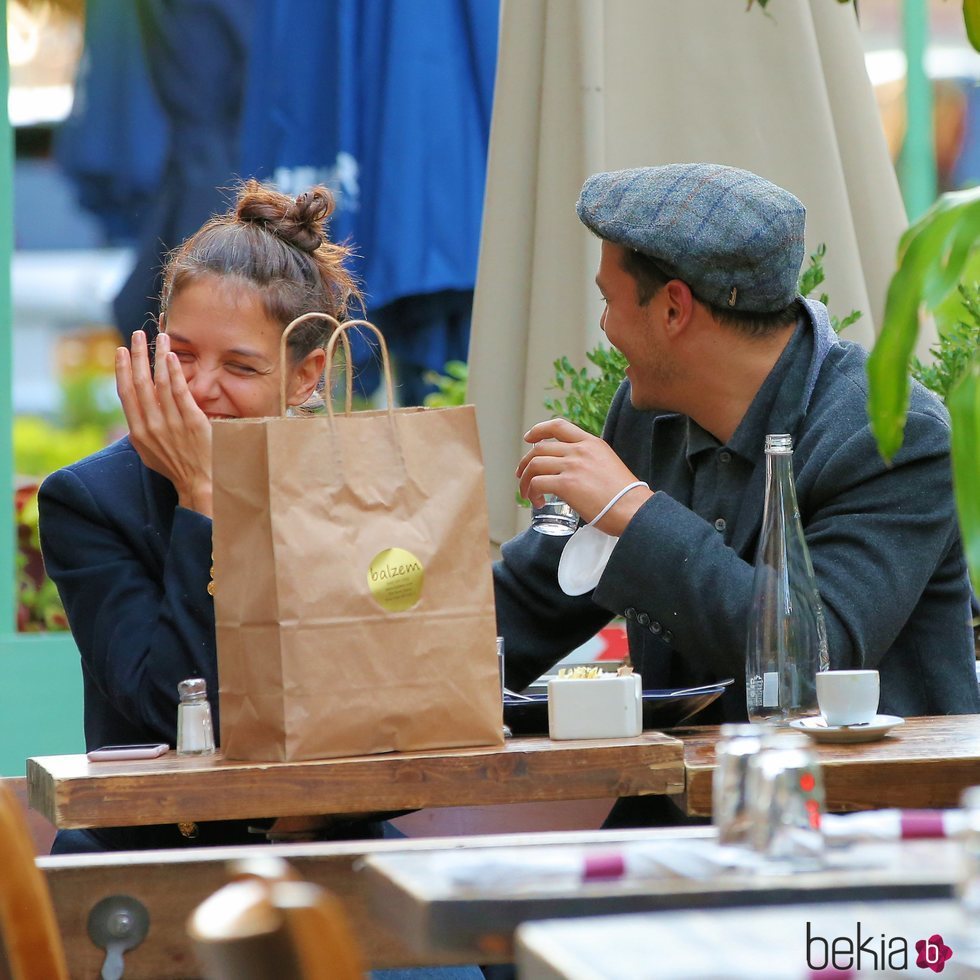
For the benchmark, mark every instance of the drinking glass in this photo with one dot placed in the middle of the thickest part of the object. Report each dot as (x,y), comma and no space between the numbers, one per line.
(785,789)
(731,805)
(554,516)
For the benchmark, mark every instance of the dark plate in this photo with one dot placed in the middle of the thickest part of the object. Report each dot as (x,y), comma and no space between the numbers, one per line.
(661,709)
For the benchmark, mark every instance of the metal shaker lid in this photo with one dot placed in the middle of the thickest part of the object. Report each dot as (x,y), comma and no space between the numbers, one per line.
(193,689)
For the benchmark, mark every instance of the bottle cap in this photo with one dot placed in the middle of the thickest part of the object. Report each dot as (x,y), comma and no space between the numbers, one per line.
(192,689)
(779,443)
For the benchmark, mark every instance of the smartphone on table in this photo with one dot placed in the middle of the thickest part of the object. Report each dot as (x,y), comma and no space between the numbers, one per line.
(109,753)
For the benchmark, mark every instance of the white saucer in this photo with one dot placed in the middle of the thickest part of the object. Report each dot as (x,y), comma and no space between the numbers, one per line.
(820,731)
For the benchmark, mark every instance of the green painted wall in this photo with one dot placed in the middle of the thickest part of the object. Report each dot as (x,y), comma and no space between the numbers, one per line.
(40,675)
(7,598)
(40,699)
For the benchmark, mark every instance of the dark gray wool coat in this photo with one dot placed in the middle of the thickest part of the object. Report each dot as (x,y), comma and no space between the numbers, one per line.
(883,539)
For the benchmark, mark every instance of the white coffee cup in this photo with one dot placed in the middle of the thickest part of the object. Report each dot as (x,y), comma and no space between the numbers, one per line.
(848,697)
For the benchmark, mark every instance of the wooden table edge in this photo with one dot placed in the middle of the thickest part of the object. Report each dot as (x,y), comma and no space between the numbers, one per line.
(64,788)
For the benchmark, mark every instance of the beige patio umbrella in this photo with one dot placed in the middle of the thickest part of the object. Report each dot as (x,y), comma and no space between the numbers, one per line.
(590,85)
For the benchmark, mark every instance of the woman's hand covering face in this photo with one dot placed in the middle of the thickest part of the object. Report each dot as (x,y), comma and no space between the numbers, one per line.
(166,427)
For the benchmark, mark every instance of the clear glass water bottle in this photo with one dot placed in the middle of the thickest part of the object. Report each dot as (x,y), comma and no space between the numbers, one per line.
(195,732)
(787,637)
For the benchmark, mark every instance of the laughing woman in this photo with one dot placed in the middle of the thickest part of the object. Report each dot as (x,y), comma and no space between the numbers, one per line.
(126,533)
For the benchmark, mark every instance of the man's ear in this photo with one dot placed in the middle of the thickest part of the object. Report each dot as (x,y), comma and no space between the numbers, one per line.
(305,376)
(679,306)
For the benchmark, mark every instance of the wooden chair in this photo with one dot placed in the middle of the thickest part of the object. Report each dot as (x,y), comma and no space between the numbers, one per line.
(267,924)
(30,943)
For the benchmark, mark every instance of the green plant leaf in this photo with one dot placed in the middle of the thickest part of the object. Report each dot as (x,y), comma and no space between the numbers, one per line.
(587,396)
(964,408)
(41,447)
(457,370)
(840,325)
(959,340)
(813,274)
(971,19)
(943,277)
(451,385)
(932,255)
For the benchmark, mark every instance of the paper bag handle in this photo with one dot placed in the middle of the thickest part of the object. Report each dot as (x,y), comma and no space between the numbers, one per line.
(282,361)
(341,330)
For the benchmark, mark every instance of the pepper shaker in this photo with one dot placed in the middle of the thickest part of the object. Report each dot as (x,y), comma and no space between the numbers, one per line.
(195,732)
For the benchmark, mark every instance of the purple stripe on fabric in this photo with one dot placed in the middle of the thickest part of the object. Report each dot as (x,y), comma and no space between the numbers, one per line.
(602,867)
(922,823)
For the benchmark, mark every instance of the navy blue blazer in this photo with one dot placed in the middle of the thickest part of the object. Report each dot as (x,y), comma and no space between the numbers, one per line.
(132,569)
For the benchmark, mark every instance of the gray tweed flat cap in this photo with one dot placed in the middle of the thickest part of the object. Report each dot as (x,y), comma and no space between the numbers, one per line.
(733,237)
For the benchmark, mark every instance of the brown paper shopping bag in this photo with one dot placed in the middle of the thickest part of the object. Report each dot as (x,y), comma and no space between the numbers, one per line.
(353,592)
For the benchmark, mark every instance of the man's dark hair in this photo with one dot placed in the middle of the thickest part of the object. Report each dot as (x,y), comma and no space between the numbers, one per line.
(651,276)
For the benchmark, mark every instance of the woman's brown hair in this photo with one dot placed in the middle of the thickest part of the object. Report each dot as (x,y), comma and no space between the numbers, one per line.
(278,245)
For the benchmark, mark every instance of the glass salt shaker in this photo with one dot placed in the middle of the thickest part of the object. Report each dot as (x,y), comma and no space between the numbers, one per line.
(730,808)
(195,733)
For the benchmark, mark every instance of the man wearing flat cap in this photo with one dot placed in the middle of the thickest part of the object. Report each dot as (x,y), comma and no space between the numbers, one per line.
(698,270)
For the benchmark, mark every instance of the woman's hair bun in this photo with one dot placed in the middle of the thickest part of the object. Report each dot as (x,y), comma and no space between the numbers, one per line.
(298,222)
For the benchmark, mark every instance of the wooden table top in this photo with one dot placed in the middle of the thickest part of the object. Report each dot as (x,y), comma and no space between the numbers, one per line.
(415,895)
(73,792)
(924,763)
(171,883)
(756,944)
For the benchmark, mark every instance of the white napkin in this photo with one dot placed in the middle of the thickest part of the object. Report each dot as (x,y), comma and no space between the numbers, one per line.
(583,560)
(584,557)
(526,869)
(892,825)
